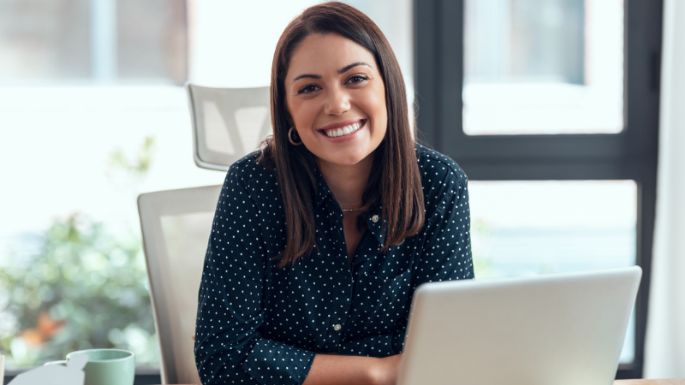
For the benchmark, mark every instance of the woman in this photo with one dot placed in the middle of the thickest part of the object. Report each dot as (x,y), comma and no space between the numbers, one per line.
(320,239)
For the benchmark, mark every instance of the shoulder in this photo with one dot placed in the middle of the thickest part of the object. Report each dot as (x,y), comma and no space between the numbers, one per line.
(250,175)
(437,168)
(443,180)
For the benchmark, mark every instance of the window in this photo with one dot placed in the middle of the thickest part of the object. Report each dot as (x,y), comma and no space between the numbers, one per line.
(92,113)
(525,228)
(548,67)
(93,40)
(72,272)
(551,107)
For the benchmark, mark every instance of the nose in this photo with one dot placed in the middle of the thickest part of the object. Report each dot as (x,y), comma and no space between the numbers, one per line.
(337,101)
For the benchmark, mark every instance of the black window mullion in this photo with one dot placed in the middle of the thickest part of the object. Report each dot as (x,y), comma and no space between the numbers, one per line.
(427,112)
(450,81)
(537,147)
(588,169)
(642,69)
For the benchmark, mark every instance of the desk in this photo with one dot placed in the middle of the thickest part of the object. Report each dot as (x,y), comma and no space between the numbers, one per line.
(625,382)
(649,382)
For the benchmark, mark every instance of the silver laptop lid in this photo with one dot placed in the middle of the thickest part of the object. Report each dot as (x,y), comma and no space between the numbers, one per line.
(565,329)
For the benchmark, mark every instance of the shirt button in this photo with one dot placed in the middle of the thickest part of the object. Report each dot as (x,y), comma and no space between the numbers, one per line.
(374,218)
(337,327)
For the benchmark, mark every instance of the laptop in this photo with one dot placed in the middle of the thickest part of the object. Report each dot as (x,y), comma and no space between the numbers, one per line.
(562,329)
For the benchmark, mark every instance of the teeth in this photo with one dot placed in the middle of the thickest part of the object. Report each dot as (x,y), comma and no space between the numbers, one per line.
(343,130)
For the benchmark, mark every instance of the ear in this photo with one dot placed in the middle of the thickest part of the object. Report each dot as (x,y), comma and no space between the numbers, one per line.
(77,362)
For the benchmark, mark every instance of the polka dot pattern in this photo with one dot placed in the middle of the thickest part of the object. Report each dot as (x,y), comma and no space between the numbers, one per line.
(261,324)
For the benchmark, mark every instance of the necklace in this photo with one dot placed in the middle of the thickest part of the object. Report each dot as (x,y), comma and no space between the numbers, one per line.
(352,210)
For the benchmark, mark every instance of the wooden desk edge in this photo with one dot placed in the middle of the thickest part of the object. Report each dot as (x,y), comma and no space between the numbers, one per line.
(650,382)
(620,382)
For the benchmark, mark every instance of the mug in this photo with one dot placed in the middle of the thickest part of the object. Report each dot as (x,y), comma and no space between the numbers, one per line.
(103,366)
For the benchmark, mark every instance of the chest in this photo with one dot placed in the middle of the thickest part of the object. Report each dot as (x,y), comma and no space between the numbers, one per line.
(327,285)
(352,232)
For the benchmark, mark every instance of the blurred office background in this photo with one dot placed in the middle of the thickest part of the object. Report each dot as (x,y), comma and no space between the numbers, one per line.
(555,119)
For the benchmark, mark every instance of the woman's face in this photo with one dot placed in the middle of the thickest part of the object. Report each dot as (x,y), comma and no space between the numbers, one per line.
(336,98)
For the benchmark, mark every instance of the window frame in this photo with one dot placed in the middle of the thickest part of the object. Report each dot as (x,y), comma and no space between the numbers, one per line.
(630,154)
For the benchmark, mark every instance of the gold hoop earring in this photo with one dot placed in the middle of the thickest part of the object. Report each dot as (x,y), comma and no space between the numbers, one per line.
(290,137)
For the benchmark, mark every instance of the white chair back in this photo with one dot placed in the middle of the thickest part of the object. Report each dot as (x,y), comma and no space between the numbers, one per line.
(176,225)
(227,123)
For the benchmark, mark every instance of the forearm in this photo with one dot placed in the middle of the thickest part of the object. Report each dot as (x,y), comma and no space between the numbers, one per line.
(329,369)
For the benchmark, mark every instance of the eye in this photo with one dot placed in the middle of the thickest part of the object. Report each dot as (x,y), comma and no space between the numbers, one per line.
(356,79)
(308,89)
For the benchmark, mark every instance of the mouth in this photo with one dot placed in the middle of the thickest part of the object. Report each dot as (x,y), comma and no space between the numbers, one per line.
(338,130)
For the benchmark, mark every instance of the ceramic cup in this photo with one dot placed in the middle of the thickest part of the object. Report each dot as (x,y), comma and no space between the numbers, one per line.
(104,366)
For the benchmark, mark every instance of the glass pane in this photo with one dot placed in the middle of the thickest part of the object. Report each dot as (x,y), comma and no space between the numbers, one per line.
(72,270)
(527,228)
(543,66)
(151,39)
(44,39)
(86,40)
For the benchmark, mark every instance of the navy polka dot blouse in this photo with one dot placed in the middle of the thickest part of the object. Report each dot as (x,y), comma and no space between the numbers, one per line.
(261,324)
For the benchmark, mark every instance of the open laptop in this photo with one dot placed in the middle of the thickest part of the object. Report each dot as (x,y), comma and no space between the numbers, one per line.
(564,329)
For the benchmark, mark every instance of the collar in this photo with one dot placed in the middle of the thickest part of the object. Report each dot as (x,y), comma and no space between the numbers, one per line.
(324,199)
(325,202)
(376,224)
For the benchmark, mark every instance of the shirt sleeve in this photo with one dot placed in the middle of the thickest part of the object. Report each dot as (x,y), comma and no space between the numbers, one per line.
(228,347)
(446,254)
(375,346)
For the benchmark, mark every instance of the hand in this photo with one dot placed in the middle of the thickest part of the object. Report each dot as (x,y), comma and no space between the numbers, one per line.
(384,371)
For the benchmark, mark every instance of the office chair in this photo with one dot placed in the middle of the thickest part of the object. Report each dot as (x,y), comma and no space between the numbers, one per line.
(228,123)
(176,225)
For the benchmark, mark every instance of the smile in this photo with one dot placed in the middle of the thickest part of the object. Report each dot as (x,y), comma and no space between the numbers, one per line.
(345,130)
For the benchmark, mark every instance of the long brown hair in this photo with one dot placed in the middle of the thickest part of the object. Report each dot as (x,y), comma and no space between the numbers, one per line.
(394,182)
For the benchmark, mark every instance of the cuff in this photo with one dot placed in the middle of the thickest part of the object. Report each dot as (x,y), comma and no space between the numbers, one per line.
(275,363)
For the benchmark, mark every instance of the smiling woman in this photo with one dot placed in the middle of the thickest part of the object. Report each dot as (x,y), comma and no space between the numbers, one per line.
(337,107)
(338,95)
(320,239)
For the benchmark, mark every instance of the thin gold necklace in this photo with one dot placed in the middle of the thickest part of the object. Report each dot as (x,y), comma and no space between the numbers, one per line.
(352,210)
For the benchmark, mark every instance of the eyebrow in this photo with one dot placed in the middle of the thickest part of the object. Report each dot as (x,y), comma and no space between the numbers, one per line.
(340,71)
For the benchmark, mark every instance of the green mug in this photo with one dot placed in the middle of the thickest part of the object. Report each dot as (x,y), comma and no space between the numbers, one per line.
(104,366)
